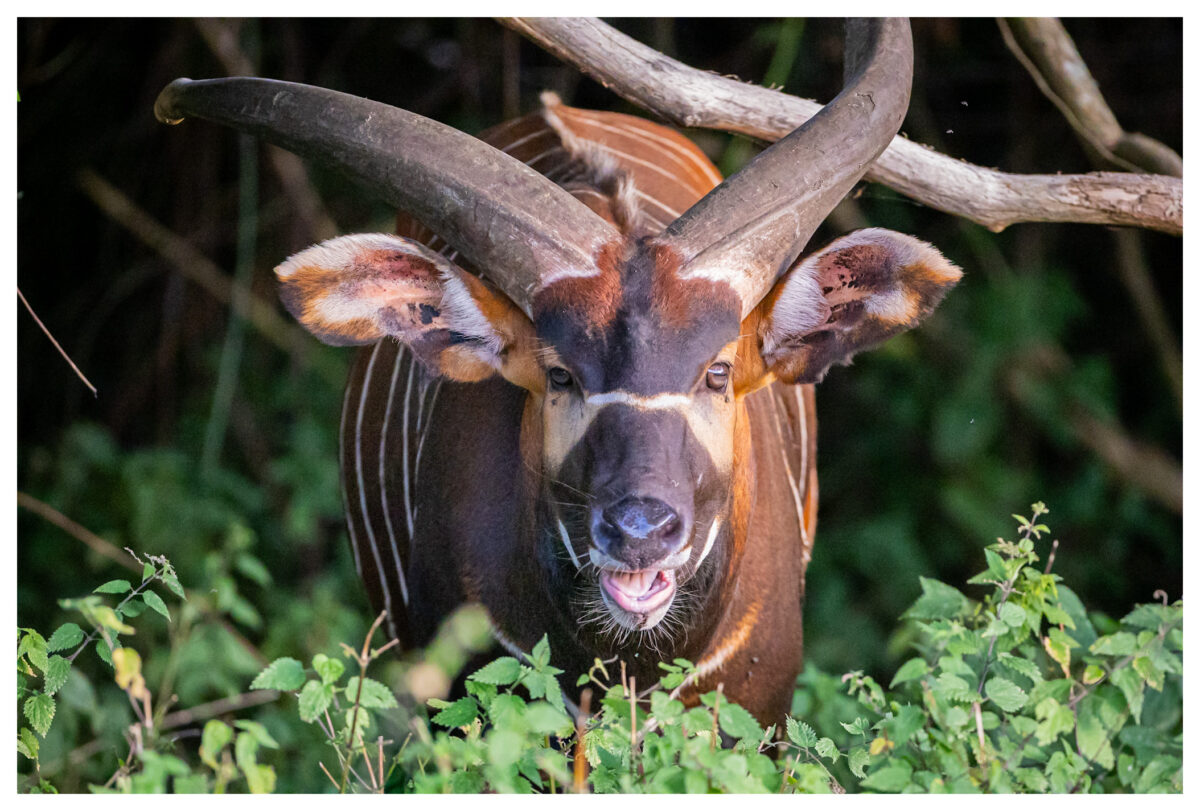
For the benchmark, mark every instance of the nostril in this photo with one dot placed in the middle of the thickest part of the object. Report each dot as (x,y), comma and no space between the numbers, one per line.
(643,519)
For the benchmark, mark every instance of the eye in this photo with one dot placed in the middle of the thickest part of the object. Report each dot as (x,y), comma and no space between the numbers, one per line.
(560,378)
(717,377)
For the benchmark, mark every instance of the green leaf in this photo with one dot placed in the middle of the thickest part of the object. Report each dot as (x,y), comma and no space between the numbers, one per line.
(1121,643)
(1091,736)
(285,674)
(172,583)
(27,743)
(315,698)
(907,720)
(458,714)
(502,671)
(33,647)
(329,669)
(67,635)
(737,722)
(800,733)
(859,759)
(1021,666)
(1006,695)
(57,669)
(375,695)
(540,655)
(147,571)
(1133,688)
(253,568)
(1148,670)
(113,587)
(154,601)
(215,737)
(937,601)
(826,748)
(39,710)
(912,669)
(1012,615)
(258,732)
(892,777)
(1054,719)
(546,719)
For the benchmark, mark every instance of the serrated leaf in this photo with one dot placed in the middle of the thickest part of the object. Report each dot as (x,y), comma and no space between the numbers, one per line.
(57,669)
(1012,615)
(33,647)
(502,671)
(460,713)
(826,748)
(907,720)
(859,759)
(540,655)
(1148,670)
(147,571)
(937,601)
(1133,688)
(1004,694)
(155,602)
(1022,666)
(1054,719)
(215,737)
(912,669)
(104,652)
(375,695)
(39,711)
(545,719)
(1121,643)
(315,698)
(800,733)
(113,587)
(737,722)
(172,582)
(285,674)
(67,635)
(895,776)
(27,743)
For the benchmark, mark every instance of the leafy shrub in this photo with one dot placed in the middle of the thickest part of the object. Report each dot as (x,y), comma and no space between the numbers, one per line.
(1016,692)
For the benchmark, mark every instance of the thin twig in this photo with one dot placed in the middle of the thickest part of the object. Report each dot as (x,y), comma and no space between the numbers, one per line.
(212,709)
(80,533)
(57,346)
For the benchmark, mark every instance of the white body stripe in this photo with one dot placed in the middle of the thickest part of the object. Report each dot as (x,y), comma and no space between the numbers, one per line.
(383,496)
(362,493)
(712,536)
(566,539)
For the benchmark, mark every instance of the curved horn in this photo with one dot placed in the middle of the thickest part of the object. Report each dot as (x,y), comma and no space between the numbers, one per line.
(750,229)
(503,217)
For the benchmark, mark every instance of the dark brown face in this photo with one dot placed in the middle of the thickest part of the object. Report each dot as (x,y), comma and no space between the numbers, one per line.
(638,421)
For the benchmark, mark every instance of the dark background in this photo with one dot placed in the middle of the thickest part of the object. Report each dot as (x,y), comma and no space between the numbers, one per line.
(1037,360)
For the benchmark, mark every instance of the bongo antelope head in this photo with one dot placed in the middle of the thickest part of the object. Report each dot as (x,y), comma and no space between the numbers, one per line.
(636,344)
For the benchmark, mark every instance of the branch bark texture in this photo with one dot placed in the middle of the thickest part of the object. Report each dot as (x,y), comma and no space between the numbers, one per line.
(689,97)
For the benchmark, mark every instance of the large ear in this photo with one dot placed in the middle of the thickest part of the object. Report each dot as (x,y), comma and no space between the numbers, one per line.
(852,295)
(357,289)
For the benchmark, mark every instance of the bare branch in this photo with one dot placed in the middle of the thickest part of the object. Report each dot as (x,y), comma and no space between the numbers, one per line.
(61,351)
(1048,53)
(75,530)
(689,97)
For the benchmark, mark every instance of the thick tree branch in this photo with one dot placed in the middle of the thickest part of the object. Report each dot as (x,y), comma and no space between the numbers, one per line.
(1048,53)
(689,97)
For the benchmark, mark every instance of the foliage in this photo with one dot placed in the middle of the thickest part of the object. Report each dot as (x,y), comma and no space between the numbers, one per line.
(1016,692)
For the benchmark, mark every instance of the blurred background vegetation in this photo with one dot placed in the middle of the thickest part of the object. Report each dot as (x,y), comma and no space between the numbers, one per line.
(148,250)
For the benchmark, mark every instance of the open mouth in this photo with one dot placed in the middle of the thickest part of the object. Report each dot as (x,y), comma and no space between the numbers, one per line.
(639,592)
